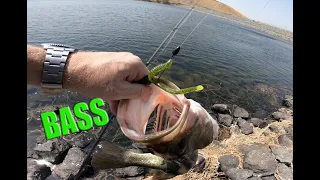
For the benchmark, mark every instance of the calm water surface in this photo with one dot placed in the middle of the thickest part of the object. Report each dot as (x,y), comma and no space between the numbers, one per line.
(241,65)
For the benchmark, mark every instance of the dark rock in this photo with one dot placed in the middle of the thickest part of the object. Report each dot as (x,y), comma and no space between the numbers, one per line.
(284,140)
(269,178)
(32,154)
(282,154)
(288,101)
(41,139)
(53,151)
(71,164)
(240,112)
(274,128)
(227,162)
(81,140)
(220,108)
(260,114)
(53,177)
(290,135)
(261,161)
(289,128)
(244,149)
(254,178)
(239,174)
(265,123)
(255,121)
(239,120)
(131,171)
(279,116)
(32,143)
(245,127)
(225,119)
(37,171)
(285,172)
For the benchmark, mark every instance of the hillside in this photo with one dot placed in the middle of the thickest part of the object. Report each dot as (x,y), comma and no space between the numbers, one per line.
(226,12)
(206,4)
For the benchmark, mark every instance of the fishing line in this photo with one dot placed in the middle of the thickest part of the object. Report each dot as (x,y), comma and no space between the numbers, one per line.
(171,38)
(172,31)
(199,23)
(265,6)
(207,14)
(191,32)
(182,20)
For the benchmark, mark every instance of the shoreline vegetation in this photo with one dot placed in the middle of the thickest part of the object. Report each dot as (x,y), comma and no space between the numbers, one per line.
(224,11)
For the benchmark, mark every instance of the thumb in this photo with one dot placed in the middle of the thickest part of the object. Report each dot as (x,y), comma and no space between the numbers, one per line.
(131,90)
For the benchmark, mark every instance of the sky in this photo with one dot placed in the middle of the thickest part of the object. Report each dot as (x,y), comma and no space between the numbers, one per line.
(278,13)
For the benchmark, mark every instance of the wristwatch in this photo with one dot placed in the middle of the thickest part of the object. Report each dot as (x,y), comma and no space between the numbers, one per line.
(54,66)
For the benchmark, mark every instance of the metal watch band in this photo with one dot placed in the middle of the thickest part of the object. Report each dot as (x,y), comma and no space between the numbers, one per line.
(54,66)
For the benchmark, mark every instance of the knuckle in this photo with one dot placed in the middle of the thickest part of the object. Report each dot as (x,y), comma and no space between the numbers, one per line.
(136,60)
(122,67)
(127,53)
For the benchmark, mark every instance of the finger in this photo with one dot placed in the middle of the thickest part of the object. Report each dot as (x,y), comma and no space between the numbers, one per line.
(131,90)
(113,106)
(142,72)
(138,71)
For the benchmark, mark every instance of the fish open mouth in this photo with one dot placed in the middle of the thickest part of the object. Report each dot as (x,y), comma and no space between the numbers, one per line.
(162,118)
(157,115)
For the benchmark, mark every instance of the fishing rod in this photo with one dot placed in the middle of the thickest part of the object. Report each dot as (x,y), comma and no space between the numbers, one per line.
(172,31)
(77,176)
(142,81)
(145,79)
(176,51)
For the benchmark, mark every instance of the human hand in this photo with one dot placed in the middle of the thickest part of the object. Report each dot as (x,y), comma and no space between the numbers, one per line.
(107,75)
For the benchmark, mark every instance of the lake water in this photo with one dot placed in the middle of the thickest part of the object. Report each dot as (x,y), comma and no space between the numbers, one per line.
(241,65)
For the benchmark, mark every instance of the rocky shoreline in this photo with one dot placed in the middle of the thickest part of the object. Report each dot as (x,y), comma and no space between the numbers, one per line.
(247,148)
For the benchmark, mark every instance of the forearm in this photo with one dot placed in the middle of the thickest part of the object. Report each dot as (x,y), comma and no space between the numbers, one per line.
(35,59)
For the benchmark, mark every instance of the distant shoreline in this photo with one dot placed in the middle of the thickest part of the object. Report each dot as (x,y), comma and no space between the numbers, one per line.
(269,29)
(266,28)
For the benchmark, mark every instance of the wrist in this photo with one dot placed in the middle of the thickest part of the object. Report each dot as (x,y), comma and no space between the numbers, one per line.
(55,66)
(70,80)
(76,71)
(35,59)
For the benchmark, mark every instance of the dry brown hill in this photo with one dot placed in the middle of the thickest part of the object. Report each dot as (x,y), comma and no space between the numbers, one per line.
(207,4)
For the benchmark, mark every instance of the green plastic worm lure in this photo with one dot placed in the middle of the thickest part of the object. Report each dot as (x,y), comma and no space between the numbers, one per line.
(157,69)
(153,79)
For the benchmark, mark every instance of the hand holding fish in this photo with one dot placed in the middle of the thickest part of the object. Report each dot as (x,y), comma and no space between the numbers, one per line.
(107,75)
